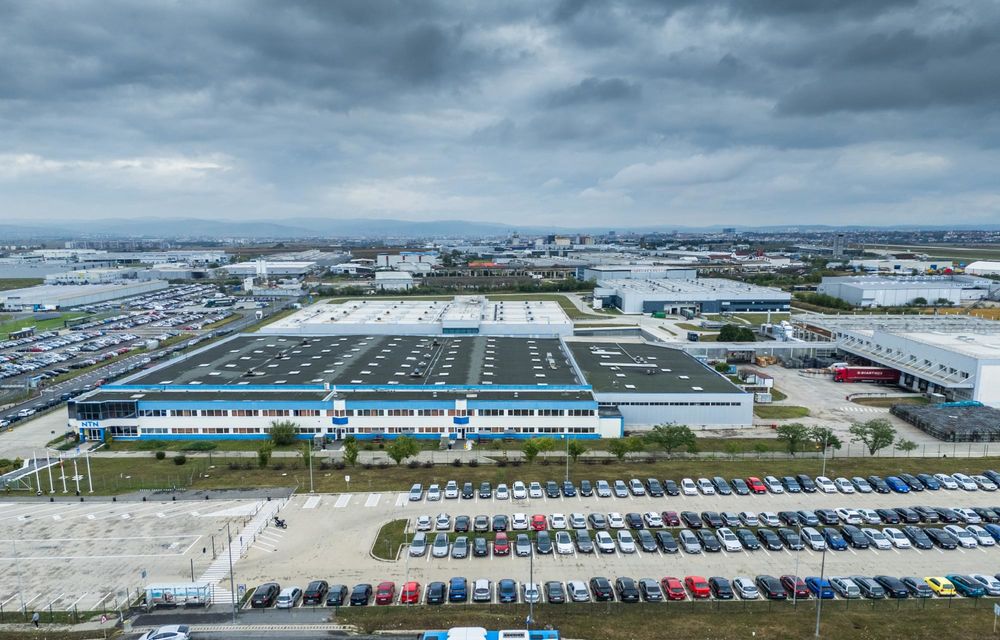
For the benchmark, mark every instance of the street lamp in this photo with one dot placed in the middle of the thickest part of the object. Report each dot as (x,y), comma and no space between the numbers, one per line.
(795,591)
(819,602)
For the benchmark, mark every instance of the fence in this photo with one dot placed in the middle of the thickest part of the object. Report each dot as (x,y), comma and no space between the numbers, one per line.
(66,608)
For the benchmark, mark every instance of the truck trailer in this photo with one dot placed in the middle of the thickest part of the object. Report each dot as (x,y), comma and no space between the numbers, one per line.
(865,374)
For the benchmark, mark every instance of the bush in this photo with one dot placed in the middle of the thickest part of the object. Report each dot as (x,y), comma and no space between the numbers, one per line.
(606,461)
(502,462)
(367,466)
(325,465)
(368,447)
(544,462)
(413,464)
(515,463)
(200,445)
(428,464)
(650,460)
(160,455)
(283,432)
(180,459)
(233,466)
(473,463)
(339,465)
(457,462)
(383,464)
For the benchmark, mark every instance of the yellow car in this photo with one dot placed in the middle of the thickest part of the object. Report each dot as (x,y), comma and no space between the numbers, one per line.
(941,586)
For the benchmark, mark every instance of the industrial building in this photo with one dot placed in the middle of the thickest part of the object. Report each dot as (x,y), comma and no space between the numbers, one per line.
(54,296)
(983,268)
(271,268)
(600,272)
(898,265)
(893,291)
(393,280)
(702,295)
(90,276)
(433,387)
(472,315)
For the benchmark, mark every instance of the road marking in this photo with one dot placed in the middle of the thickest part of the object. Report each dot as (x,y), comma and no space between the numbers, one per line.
(311,503)
(342,501)
(57,517)
(401,500)
(373,499)
(91,516)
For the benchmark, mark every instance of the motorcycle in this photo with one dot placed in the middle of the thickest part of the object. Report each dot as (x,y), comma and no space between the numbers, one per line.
(281,524)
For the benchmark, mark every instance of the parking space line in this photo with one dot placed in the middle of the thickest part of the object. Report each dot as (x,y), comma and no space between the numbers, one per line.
(85,593)
(27,602)
(342,501)
(4,603)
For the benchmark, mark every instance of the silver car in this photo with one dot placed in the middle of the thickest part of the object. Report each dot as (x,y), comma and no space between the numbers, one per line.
(578,591)
(460,548)
(603,489)
(745,588)
(689,542)
(440,547)
(625,541)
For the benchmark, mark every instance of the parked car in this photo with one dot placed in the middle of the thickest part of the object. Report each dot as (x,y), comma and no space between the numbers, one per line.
(673,588)
(265,595)
(458,590)
(745,588)
(315,592)
(360,595)
(336,596)
(771,587)
(410,593)
(385,593)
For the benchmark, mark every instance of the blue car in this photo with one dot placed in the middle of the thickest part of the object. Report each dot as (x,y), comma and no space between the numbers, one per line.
(897,485)
(458,590)
(929,481)
(819,587)
(834,541)
(966,586)
(993,530)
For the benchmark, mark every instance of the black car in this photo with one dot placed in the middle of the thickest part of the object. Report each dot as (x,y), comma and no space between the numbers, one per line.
(555,593)
(930,482)
(654,488)
(790,484)
(708,540)
(869,588)
(360,595)
(462,524)
(568,490)
(436,593)
(771,588)
(500,522)
(645,540)
(911,481)
(889,516)
(598,521)
(671,488)
(747,539)
(265,595)
(650,590)
(827,516)
(601,589)
(894,587)
(634,520)
(770,540)
(627,590)
(467,494)
(808,518)
(666,541)
(927,514)
(485,490)
(791,538)
(948,516)
(740,486)
(336,595)
(721,486)
(691,519)
(720,588)
(918,588)
(586,488)
(315,592)
(543,542)
(992,475)
(806,483)
(551,489)
(878,484)
(907,515)
(711,518)
(480,548)
(584,544)
(791,518)
(918,537)
(987,514)
(854,536)
(941,538)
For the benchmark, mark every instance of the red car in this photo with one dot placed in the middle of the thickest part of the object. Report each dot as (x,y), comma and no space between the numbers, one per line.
(756,485)
(410,594)
(673,588)
(501,545)
(538,522)
(698,586)
(385,593)
(796,585)
(670,519)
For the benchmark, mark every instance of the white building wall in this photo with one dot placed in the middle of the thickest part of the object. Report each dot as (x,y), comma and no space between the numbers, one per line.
(638,413)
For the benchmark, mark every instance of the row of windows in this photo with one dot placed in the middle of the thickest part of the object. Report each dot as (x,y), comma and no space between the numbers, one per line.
(671,404)
(343,413)
(133,431)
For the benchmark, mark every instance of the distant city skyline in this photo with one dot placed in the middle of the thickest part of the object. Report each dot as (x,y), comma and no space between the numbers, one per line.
(569,114)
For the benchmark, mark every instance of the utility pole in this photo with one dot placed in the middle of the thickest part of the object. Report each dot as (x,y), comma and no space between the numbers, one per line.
(310,454)
(232,587)
(826,437)
(819,602)
(796,576)
(567,456)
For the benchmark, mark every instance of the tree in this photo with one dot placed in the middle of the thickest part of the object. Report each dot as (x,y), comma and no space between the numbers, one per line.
(734,333)
(905,445)
(575,449)
(351,450)
(530,449)
(823,436)
(793,435)
(876,434)
(264,454)
(672,436)
(283,432)
(919,301)
(621,447)
(402,448)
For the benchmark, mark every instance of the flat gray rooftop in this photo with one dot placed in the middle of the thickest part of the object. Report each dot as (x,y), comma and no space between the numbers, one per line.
(623,368)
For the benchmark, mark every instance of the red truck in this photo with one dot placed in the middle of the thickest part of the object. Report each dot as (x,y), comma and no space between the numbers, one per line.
(865,374)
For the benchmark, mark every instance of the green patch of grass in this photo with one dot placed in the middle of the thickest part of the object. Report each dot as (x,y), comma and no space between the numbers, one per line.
(200,445)
(48,324)
(777,395)
(7,284)
(752,318)
(885,403)
(689,327)
(389,539)
(779,412)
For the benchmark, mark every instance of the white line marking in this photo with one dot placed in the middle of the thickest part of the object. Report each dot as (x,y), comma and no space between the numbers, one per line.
(373,499)
(342,501)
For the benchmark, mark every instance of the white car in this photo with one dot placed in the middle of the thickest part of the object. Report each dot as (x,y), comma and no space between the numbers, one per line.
(870,516)
(982,536)
(434,492)
(990,584)
(825,484)
(578,591)
(168,632)
(653,519)
(531,592)
(615,520)
(897,538)
(946,481)
(519,521)
(876,538)
(535,490)
(813,538)
(519,491)
(849,516)
(773,484)
(451,490)
(288,598)
(442,522)
(861,484)
(625,541)
(984,483)
(749,518)
(745,588)
(688,487)
(706,487)
(965,482)
(844,485)
(564,543)
(965,539)
(967,515)
(770,519)
(578,521)
(636,487)
(604,542)
(603,489)
(502,492)
(557,521)
(728,539)
(424,523)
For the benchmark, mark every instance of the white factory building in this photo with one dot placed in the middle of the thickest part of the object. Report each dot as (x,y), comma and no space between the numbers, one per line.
(601,272)
(463,315)
(393,280)
(983,268)
(56,296)
(90,276)
(701,295)
(898,265)
(894,291)
(270,268)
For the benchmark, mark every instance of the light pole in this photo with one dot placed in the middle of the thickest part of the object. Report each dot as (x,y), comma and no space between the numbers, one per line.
(310,454)
(567,456)
(232,586)
(819,602)
(531,583)
(826,437)
(795,591)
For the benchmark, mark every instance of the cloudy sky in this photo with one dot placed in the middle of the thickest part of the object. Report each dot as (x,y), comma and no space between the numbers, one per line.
(526,112)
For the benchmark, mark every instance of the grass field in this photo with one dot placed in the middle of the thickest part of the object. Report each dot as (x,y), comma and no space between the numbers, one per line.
(779,412)
(752,318)
(7,324)
(389,539)
(19,283)
(885,403)
(761,620)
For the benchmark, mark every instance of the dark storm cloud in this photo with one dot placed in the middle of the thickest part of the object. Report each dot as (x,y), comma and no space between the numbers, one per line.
(446,108)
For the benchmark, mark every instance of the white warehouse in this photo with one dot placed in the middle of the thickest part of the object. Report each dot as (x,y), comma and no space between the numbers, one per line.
(895,291)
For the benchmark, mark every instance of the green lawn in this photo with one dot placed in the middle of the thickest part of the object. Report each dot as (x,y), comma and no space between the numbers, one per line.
(779,412)
(752,318)
(7,324)
(19,283)
(389,539)
(885,403)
